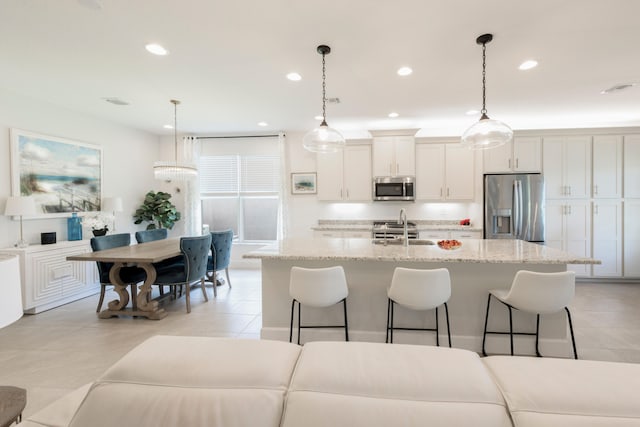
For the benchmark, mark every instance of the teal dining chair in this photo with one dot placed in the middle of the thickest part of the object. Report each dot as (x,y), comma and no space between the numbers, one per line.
(130,275)
(220,257)
(194,254)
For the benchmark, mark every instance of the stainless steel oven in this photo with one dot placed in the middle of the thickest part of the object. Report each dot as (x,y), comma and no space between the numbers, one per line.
(390,188)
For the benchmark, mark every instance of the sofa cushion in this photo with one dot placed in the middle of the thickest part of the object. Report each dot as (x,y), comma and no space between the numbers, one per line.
(194,381)
(546,391)
(356,383)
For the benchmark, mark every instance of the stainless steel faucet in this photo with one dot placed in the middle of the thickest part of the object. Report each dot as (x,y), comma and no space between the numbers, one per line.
(403,220)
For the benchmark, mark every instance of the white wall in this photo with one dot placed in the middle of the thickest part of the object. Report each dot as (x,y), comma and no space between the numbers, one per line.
(128,157)
(305,210)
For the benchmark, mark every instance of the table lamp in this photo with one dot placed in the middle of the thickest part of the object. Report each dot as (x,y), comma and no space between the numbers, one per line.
(19,206)
(113,205)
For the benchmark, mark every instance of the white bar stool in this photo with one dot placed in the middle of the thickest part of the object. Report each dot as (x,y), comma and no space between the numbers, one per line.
(318,287)
(539,293)
(419,290)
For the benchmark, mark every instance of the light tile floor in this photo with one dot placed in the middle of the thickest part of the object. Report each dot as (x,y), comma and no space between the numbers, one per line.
(55,352)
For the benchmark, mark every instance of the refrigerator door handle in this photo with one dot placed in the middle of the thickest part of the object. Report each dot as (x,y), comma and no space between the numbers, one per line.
(517,209)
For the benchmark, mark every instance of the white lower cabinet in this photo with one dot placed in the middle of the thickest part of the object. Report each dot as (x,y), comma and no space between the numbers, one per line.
(49,280)
(607,238)
(632,238)
(568,228)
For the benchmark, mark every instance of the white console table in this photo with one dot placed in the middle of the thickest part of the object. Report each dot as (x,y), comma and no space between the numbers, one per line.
(49,280)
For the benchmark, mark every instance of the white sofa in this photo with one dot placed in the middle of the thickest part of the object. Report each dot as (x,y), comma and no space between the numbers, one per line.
(197,381)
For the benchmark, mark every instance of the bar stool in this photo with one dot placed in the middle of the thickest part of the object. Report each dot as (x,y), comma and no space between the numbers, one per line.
(539,293)
(419,290)
(318,287)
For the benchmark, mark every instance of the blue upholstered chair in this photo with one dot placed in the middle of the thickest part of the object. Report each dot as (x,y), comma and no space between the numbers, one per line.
(151,235)
(162,267)
(131,275)
(220,256)
(194,253)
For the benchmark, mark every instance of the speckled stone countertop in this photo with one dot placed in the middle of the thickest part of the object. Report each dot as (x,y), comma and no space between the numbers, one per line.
(367,225)
(472,251)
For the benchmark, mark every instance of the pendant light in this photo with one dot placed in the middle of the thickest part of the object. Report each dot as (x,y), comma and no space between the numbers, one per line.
(174,171)
(323,139)
(487,133)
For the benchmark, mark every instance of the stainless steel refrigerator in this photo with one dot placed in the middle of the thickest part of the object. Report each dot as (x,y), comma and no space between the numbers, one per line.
(514,207)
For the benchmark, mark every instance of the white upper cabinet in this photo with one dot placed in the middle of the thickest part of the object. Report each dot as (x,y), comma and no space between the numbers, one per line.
(522,155)
(444,172)
(345,175)
(430,169)
(607,167)
(567,167)
(632,166)
(394,156)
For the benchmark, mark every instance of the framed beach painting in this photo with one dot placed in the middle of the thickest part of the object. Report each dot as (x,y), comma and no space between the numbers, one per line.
(61,175)
(303,183)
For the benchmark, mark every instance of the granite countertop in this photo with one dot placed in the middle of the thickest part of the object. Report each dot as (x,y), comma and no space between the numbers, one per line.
(472,251)
(367,225)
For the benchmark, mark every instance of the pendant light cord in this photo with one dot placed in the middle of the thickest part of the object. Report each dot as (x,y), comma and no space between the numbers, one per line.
(484,80)
(175,127)
(324,96)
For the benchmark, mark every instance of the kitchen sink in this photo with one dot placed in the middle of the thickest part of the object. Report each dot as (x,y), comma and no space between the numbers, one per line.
(400,242)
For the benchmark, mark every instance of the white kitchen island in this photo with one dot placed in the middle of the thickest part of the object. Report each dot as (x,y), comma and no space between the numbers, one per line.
(476,267)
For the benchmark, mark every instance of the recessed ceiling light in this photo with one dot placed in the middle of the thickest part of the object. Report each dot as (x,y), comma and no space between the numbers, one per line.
(529,64)
(404,71)
(294,77)
(393,115)
(318,117)
(156,49)
(168,126)
(472,112)
(618,88)
(263,124)
(115,101)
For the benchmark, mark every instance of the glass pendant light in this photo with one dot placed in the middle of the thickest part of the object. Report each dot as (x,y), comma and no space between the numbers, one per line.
(487,133)
(174,171)
(323,139)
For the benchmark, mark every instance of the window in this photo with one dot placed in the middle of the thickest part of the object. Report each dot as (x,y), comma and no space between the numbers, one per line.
(241,192)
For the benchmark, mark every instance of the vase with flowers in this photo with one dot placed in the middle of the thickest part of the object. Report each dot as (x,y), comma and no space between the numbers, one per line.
(98,222)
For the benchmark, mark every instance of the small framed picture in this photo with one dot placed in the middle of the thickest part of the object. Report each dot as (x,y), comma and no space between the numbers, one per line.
(303,183)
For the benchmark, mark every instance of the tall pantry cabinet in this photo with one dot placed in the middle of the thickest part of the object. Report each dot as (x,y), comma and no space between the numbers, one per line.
(566,163)
(631,191)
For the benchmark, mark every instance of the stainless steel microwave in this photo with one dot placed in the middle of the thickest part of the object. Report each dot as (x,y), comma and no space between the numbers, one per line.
(394,188)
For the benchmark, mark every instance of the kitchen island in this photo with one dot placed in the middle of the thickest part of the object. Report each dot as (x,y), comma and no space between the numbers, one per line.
(476,267)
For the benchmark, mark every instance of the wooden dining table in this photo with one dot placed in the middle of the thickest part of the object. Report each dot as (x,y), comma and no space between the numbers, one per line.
(142,255)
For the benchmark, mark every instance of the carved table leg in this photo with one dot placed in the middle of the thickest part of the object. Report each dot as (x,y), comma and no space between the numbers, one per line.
(121,290)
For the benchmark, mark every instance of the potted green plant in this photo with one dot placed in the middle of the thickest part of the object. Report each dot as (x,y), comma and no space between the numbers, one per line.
(157,210)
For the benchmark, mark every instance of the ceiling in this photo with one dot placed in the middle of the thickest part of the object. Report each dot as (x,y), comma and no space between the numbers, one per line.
(228,61)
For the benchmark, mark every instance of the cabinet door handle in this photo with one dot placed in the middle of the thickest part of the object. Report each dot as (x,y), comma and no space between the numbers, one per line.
(517,163)
(347,193)
(595,190)
(341,193)
(569,189)
(595,209)
(509,163)
(447,191)
(440,191)
(569,209)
